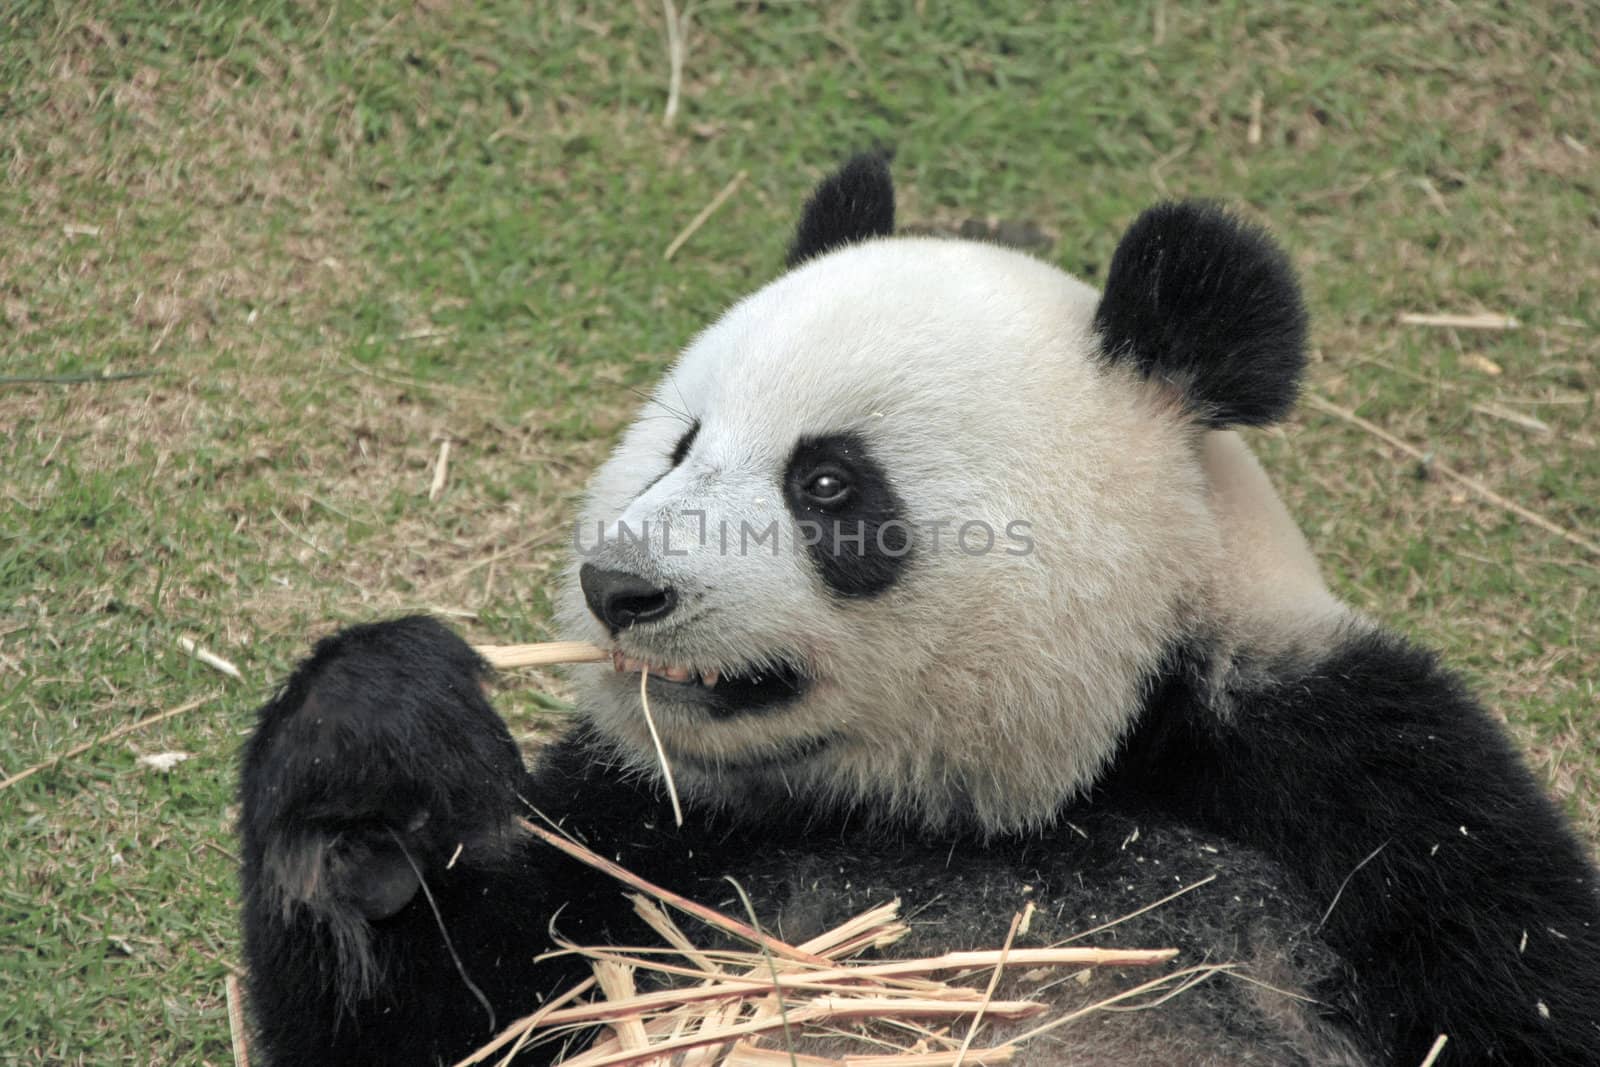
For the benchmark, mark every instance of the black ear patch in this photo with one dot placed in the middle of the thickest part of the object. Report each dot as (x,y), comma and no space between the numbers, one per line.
(852,204)
(1208,303)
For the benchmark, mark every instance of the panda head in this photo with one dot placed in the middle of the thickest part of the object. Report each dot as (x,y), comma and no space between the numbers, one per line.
(911,528)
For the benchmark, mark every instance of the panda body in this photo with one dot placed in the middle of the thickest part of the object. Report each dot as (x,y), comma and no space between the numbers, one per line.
(1140,685)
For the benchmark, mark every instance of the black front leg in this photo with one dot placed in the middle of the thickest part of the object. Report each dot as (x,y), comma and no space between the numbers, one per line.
(1453,886)
(391,909)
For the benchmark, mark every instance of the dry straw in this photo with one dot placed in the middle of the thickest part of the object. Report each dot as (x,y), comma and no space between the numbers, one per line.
(734,999)
(1467,482)
(121,731)
(727,1002)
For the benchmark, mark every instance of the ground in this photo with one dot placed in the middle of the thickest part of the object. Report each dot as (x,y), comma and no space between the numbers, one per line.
(257,262)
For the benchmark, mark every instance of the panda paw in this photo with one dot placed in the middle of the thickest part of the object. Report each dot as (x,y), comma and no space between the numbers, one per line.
(377,762)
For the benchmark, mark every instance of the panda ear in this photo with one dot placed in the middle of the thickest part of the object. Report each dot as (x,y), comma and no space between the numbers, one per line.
(1209,304)
(852,204)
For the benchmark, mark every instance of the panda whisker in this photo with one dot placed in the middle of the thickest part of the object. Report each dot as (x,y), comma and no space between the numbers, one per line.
(680,414)
(676,388)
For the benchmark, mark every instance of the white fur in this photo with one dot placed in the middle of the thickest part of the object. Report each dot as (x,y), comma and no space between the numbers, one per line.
(1268,588)
(996,685)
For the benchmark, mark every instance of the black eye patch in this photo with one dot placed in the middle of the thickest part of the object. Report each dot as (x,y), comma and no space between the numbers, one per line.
(849,517)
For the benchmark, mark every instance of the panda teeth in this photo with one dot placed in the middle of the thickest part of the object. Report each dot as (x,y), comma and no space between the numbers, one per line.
(621,663)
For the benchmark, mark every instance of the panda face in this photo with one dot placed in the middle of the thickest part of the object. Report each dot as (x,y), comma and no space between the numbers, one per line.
(893,532)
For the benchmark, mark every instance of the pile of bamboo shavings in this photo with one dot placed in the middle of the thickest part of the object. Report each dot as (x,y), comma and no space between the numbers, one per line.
(774,992)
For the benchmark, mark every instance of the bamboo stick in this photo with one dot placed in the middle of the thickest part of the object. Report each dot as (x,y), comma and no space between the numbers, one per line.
(542,654)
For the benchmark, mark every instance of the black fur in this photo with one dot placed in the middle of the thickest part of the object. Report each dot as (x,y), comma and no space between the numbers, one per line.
(378,752)
(686,442)
(1206,303)
(861,544)
(852,204)
(1454,888)
(1284,784)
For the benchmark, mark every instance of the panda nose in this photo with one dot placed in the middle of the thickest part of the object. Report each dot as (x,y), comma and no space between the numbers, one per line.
(621,600)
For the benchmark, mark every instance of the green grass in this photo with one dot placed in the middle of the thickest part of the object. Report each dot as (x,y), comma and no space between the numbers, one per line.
(332,238)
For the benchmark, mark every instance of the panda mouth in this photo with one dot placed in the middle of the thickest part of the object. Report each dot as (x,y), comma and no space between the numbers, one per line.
(721,693)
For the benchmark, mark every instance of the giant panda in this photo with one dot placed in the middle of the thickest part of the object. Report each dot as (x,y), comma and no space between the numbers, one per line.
(1016,617)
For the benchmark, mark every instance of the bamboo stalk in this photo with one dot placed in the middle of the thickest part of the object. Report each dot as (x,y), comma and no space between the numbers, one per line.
(658,920)
(744,1054)
(616,983)
(821,1009)
(682,903)
(988,993)
(542,654)
(1478,320)
(519,1030)
(720,1020)
(825,981)
(238,1031)
(925,1007)
(880,925)
(1433,1052)
(984,1057)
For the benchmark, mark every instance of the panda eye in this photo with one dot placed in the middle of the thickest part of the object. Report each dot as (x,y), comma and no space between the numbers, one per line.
(828,487)
(686,442)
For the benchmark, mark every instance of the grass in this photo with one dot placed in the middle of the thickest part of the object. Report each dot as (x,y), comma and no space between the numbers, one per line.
(329,237)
